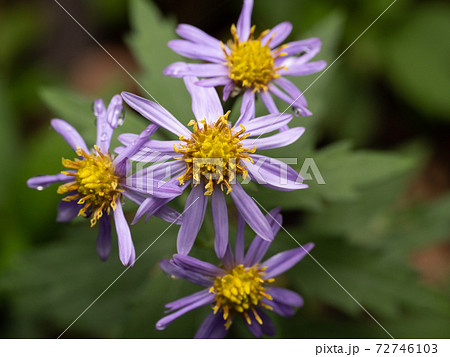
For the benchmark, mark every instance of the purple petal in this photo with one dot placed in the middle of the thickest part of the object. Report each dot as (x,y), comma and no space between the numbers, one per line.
(285,296)
(156,188)
(255,328)
(279,140)
(158,171)
(269,103)
(268,328)
(310,47)
(279,33)
(258,247)
(215,82)
(41,182)
(165,321)
(212,327)
(133,147)
(197,51)
(177,272)
(229,86)
(69,133)
(196,35)
(294,102)
(149,207)
(169,215)
(67,211)
(297,67)
(244,23)
(220,220)
(247,108)
(156,113)
(292,90)
(251,212)
(193,216)
(267,123)
(205,101)
(279,308)
(228,259)
(104,237)
(187,300)
(197,266)
(159,146)
(126,247)
(274,173)
(239,245)
(182,69)
(283,261)
(107,120)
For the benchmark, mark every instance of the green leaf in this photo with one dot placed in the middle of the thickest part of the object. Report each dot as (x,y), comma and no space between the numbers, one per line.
(345,173)
(148,42)
(417,57)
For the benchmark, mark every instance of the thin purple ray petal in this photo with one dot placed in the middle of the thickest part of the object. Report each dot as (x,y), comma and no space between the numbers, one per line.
(175,271)
(104,237)
(197,51)
(285,296)
(277,35)
(126,247)
(239,245)
(267,123)
(182,69)
(193,216)
(165,321)
(186,300)
(268,102)
(244,23)
(220,220)
(279,140)
(283,261)
(194,34)
(205,101)
(212,327)
(41,182)
(67,211)
(251,212)
(197,266)
(69,133)
(155,113)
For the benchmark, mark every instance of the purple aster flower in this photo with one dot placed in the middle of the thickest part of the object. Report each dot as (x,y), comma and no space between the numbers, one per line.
(95,182)
(211,157)
(252,65)
(242,285)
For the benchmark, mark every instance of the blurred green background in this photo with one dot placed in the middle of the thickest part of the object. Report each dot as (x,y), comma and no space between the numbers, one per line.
(379,135)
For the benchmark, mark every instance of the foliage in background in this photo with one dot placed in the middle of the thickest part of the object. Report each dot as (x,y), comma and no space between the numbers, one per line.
(364,234)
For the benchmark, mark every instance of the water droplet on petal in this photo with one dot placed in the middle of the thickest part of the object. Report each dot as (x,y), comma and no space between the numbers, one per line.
(40,188)
(122,116)
(104,137)
(296,112)
(235,92)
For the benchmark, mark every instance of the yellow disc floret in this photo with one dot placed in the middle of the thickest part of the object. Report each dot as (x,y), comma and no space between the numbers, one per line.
(214,152)
(95,183)
(252,64)
(239,292)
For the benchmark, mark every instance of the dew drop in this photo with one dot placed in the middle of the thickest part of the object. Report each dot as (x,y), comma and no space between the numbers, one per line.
(296,112)
(122,116)
(40,188)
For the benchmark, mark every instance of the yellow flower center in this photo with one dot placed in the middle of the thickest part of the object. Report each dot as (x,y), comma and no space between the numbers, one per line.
(214,152)
(252,64)
(95,182)
(241,291)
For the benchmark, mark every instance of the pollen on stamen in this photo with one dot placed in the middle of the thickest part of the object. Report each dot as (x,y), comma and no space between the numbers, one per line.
(95,185)
(252,64)
(240,292)
(213,154)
